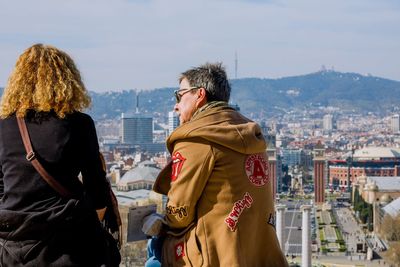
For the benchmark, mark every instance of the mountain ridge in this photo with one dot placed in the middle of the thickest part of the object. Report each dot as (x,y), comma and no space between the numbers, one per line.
(350,90)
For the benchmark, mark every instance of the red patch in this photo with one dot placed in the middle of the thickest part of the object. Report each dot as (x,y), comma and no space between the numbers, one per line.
(177,163)
(179,251)
(238,207)
(256,167)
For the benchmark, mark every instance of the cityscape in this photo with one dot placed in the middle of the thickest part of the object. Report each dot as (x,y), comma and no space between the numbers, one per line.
(335,175)
(321,78)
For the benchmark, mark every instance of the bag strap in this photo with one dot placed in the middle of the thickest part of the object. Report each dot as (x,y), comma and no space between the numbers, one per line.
(30,156)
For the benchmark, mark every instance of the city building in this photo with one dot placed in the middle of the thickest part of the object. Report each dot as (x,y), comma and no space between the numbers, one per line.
(272,167)
(379,191)
(378,188)
(368,161)
(385,207)
(136,129)
(395,123)
(327,122)
(141,177)
(319,174)
(132,190)
(270,138)
(291,157)
(307,159)
(173,121)
(279,173)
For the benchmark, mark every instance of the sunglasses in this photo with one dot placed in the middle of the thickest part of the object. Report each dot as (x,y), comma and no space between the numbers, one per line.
(178,94)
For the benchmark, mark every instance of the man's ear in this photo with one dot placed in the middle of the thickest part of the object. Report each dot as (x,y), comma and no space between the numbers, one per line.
(201,97)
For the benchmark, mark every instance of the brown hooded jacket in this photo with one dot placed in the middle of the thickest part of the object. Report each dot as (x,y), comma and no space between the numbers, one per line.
(220,209)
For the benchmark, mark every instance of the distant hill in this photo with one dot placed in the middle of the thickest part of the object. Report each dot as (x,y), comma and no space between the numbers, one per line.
(325,88)
(112,104)
(349,91)
(267,96)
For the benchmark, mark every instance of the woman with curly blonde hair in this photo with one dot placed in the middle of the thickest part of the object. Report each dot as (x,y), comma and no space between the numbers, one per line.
(38,225)
(44,79)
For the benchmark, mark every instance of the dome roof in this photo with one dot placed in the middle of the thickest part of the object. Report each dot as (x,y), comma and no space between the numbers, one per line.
(372,186)
(385,198)
(362,179)
(139,173)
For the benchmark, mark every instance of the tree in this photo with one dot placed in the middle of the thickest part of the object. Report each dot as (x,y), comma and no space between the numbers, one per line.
(356,197)
(390,228)
(364,209)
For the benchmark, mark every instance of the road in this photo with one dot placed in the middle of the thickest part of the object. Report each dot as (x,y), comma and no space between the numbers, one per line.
(293,221)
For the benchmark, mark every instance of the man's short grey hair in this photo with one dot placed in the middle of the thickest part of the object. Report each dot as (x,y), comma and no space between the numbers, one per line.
(211,77)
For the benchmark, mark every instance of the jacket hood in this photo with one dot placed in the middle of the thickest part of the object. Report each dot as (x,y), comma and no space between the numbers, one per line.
(224,126)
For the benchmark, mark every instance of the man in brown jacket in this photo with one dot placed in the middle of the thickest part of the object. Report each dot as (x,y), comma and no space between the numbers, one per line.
(220,209)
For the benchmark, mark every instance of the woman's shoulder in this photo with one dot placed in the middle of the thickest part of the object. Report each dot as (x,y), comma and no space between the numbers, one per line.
(80,117)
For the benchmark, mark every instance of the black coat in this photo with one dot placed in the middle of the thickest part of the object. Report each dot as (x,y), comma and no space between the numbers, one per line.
(37,226)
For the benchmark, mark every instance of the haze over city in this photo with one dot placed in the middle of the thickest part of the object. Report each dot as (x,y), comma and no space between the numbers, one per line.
(128,44)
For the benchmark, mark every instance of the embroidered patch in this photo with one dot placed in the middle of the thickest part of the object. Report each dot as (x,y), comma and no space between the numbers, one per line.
(256,167)
(179,251)
(272,220)
(238,207)
(178,212)
(177,163)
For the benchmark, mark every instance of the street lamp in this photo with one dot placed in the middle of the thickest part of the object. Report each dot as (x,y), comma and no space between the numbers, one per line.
(349,162)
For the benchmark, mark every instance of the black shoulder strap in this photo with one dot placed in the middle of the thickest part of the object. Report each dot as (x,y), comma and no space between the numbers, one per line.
(30,156)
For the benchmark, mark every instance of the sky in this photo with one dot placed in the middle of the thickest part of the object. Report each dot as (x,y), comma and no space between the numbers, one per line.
(146,44)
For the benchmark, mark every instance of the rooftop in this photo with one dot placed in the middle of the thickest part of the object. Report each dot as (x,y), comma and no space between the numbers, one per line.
(131,197)
(393,208)
(375,153)
(142,172)
(385,183)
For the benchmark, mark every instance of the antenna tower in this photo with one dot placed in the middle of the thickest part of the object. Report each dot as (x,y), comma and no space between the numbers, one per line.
(236,64)
(137,101)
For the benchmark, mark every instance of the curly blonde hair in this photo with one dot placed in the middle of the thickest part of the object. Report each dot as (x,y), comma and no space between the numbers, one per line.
(44,79)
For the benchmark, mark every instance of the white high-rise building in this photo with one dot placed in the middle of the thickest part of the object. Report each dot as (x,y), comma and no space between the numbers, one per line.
(173,121)
(328,122)
(395,123)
